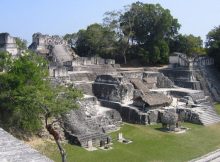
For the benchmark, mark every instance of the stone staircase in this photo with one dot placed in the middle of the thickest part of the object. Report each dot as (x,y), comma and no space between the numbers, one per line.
(62,54)
(204,101)
(210,79)
(208,115)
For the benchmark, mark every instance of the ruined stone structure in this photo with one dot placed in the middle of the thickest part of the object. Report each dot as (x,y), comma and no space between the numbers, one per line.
(8,43)
(90,123)
(194,73)
(113,94)
(141,96)
(88,61)
(55,48)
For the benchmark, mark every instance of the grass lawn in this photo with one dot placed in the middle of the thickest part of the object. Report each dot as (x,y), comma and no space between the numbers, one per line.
(149,145)
(217,108)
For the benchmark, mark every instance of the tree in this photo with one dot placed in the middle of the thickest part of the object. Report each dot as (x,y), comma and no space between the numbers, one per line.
(71,39)
(122,24)
(144,26)
(26,96)
(188,44)
(5,61)
(151,23)
(213,45)
(96,40)
(21,43)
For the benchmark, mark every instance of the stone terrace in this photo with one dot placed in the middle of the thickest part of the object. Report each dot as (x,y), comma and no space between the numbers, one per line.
(14,150)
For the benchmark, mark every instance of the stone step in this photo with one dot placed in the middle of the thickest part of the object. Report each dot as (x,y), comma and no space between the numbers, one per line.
(208,115)
(202,100)
(207,121)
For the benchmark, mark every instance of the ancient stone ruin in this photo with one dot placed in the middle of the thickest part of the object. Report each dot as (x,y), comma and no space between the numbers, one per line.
(137,95)
(180,92)
(8,43)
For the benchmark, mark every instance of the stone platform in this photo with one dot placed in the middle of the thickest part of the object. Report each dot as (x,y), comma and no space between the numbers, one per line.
(14,150)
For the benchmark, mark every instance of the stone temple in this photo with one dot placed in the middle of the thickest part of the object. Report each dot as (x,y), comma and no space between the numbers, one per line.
(8,43)
(185,89)
(137,95)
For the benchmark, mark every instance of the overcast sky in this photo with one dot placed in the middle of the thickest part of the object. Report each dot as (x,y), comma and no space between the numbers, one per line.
(22,18)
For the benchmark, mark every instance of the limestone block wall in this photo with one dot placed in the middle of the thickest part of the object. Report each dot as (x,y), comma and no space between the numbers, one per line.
(113,92)
(178,59)
(8,43)
(113,88)
(164,82)
(175,74)
(89,61)
(128,114)
(129,75)
(188,84)
(203,61)
(58,72)
(45,40)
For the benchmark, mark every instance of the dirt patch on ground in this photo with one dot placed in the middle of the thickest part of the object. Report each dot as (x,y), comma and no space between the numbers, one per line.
(36,142)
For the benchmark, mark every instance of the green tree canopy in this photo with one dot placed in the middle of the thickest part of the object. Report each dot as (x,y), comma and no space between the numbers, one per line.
(21,43)
(151,23)
(95,40)
(144,28)
(188,44)
(213,45)
(26,94)
(139,31)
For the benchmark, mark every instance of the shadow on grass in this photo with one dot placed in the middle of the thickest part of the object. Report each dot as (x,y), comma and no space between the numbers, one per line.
(166,130)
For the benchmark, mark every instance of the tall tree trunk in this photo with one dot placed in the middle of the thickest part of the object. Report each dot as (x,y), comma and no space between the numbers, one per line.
(56,137)
(62,151)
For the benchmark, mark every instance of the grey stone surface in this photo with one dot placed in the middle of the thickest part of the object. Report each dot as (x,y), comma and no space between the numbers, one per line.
(152,100)
(8,43)
(14,150)
(138,84)
(113,88)
(81,61)
(90,122)
(210,157)
(164,82)
(54,48)
(153,116)
(169,118)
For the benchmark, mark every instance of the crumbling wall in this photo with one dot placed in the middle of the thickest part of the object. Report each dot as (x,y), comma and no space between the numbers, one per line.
(113,88)
(8,43)
(54,48)
(90,122)
(164,82)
